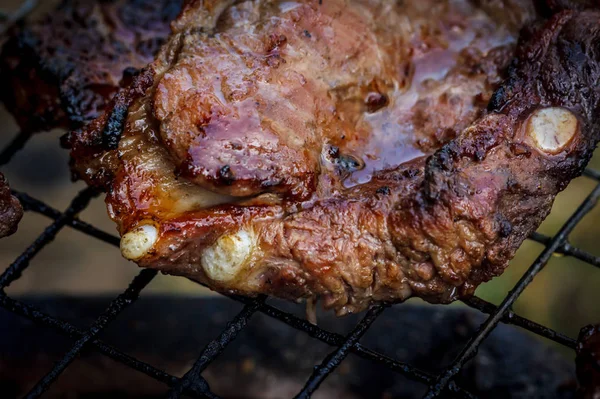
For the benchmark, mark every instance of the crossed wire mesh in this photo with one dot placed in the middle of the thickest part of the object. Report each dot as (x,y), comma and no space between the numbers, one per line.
(192,384)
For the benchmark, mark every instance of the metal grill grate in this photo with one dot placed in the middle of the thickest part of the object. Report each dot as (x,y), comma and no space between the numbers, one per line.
(192,384)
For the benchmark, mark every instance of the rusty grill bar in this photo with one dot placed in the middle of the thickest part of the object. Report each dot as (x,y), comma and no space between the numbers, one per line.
(192,384)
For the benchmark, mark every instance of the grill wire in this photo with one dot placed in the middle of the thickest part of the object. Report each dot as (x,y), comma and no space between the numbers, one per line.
(192,384)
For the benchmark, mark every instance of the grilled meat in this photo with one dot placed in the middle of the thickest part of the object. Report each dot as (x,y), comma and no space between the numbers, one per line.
(352,151)
(588,362)
(11,211)
(61,70)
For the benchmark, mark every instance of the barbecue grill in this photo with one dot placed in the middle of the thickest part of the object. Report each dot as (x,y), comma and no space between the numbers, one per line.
(192,384)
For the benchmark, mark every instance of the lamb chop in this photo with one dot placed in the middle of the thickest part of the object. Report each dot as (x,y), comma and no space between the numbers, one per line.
(61,70)
(11,211)
(349,151)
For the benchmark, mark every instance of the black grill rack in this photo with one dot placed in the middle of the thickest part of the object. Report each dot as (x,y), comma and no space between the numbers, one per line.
(192,384)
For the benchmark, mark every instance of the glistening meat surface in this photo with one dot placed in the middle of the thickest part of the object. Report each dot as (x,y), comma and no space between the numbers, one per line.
(351,151)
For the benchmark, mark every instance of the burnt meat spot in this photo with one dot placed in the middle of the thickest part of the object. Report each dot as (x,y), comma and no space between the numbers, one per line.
(111,135)
(505,228)
(226,175)
(498,99)
(333,152)
(350,163)
(385,190)
(344,162)
(375,101)
(128,74)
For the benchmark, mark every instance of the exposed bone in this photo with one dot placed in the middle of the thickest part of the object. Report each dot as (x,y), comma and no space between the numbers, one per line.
(226,258)
(139,241)
(552,128)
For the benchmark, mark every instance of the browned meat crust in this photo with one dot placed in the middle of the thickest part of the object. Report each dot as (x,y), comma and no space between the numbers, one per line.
(588,362)
(11,211)
(350,145)
(61,70)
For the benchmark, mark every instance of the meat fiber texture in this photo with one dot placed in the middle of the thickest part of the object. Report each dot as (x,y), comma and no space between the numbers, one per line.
(347,151)
(62,69)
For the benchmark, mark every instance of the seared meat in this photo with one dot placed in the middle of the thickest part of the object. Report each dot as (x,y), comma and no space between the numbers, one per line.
(337,87)
(588,362)
(61,70)
(11,211)
(343,150)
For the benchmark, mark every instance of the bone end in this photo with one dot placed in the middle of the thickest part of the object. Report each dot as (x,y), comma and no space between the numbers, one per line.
(138,242)
(551,129)
(224,260)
